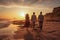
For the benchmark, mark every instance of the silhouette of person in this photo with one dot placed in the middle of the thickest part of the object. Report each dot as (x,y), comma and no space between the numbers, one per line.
(40,20)
(33,19)
(27,21)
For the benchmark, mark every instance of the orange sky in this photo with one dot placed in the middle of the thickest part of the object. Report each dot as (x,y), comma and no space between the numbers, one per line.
(13,9)
(19,12)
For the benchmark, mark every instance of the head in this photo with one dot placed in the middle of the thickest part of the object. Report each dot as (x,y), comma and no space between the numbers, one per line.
(27,14)
(33,13)
(40,13)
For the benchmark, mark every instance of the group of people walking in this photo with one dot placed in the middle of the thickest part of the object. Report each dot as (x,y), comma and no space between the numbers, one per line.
(33,20)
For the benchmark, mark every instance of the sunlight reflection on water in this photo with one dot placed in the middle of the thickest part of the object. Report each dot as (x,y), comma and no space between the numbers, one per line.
(8,30)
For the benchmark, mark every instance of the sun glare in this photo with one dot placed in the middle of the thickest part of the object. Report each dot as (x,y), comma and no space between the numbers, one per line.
(22,14)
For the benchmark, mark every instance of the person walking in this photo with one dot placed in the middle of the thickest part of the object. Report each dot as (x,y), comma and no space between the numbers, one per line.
(40,20)
(27,21)
(33,19)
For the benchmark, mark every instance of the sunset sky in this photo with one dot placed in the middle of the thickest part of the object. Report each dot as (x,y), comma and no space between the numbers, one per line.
(18,8)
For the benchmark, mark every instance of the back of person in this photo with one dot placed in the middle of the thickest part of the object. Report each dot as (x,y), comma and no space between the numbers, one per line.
(40,17)
(40,20)
(27,21)
(33,18)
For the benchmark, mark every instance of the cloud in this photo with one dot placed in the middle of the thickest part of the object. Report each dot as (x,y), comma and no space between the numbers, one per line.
(30,2)
(17,2)
(5,2)
(10,2)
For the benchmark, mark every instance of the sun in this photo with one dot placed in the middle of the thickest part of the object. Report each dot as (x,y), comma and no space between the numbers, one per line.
(22,14)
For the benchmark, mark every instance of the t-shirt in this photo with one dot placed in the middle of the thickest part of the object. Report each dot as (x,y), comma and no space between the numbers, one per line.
(33,18)
(40,18)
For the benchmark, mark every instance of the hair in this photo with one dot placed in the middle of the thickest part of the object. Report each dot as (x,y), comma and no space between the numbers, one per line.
(33,12)
(41,12)
(27,14)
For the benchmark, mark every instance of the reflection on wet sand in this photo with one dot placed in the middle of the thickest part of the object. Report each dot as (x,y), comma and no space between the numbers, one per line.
(51,31)
(8,32)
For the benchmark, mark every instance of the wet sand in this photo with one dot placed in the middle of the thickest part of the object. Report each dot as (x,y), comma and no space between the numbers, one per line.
(51,31)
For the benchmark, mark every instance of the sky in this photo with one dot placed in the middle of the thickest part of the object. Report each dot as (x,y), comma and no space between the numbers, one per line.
(18,8)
